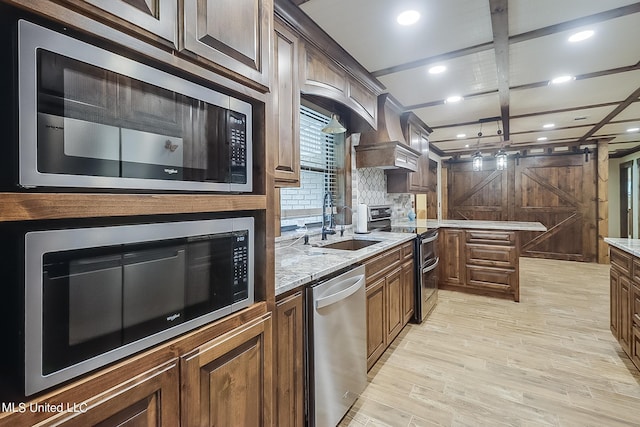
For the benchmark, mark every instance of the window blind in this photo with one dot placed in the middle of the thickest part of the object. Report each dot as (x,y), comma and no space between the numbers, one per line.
(317,152)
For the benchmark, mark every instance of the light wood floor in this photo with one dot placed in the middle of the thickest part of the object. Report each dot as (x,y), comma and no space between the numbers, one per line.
(549,360)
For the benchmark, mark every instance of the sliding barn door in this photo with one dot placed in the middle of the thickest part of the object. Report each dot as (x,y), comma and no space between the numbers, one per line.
(559,192)
(477,195)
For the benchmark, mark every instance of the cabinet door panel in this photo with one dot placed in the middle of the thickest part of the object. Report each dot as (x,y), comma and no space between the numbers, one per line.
(233,34)
(376,343)
(635,346)
(227,381)
(624,307)
(395,315)
(408,291)
(156,16)
(150,399)
(635,305)
(286,102)
(289,362)
(614,319)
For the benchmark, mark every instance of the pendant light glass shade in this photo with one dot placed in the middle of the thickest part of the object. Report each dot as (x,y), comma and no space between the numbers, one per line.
(477,162)
(501,160)
(334,126)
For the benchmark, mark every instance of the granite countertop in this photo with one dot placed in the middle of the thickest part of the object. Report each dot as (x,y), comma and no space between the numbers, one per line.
(471,224)
(297,264)
(631,246)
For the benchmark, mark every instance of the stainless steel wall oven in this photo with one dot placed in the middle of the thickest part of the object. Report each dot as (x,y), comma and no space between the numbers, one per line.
(93,295)
(91,118)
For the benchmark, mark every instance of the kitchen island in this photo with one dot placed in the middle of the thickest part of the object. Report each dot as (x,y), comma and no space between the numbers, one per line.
(480,257)
(625,295)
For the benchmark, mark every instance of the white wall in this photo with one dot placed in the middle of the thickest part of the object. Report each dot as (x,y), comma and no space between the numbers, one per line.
(614,194)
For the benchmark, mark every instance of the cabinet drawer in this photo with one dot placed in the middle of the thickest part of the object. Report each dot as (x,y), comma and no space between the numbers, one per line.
(382,263)
(490,278)
(491,237)
(620,260)
(407,251)
(491,255)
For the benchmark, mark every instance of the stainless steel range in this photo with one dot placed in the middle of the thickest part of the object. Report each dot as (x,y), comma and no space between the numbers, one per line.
(425,257)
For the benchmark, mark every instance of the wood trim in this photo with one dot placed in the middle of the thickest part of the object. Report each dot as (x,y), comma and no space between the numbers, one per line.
(314,35)
(603,201)
(34,206)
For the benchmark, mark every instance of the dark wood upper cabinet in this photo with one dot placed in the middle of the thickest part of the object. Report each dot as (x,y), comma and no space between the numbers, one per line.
(416,133)
(285,95)
(156,17)
(232,36)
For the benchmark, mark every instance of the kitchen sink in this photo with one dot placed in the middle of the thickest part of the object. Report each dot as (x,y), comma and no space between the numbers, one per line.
(350,244)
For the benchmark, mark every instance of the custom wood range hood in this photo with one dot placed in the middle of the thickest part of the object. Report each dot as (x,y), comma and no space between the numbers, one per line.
(386,147)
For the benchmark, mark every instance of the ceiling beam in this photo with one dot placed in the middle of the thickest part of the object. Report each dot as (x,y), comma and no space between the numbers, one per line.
(500,28)
(623,105)
(540,32)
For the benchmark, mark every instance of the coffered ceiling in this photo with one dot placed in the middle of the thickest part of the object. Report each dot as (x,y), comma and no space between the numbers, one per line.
(500,56)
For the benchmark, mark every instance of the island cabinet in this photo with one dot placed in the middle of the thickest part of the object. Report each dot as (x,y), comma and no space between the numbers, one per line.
(480,261)
(622,302)
(289,360)
(416,132)
(390,300)
(285,96)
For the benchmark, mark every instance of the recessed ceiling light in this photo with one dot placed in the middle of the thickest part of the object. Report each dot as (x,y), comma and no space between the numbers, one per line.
(466,146)
(454,98)
(461,135)
(542,138)
(562,79)
(437,69)
(633,129)
(408,17)
(548,125)
(582,35)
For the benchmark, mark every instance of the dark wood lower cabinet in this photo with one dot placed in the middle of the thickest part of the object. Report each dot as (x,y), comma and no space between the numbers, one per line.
(376,337)
(227,381)
(624,317)
(483,262)
(150,399)
(289,375)
(395,315)
(390,298)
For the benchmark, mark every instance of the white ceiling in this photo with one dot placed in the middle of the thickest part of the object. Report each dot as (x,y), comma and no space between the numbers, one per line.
(605,96)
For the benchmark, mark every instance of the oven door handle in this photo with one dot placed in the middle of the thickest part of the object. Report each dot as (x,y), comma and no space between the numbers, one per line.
(430,239)
(431,267)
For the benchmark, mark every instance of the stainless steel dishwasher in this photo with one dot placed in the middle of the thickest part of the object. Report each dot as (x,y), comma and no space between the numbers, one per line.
(336,346)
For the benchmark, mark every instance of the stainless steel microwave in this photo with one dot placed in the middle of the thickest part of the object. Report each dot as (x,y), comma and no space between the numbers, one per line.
(95,295)
(90,118)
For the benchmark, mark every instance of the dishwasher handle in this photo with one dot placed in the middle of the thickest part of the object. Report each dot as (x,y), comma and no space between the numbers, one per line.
(354,283)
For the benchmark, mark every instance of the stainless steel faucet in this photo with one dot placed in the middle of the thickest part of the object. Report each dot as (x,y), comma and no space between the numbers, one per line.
(331,229)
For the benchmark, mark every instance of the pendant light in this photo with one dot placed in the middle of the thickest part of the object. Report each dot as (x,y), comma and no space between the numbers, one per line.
(476,159)
(501,155)
(334,126)
(501,160)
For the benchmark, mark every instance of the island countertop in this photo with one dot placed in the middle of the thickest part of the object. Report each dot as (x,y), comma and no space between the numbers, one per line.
(473,224)
(631,246)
